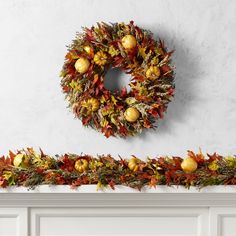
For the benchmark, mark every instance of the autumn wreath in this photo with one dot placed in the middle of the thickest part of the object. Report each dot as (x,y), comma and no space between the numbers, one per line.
(133,50)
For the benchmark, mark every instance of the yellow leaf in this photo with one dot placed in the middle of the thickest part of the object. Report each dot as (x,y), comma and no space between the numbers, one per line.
(142,52)
(113,99)
(213,166)
(99,186)
(103,122)
(102,99)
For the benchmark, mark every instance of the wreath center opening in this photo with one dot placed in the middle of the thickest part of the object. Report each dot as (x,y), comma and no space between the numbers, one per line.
(116,79)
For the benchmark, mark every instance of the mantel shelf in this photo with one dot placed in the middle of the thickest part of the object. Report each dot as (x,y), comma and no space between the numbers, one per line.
(87,195)
(160,189)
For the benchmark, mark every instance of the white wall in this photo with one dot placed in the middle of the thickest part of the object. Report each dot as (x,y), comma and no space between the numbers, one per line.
(33,36)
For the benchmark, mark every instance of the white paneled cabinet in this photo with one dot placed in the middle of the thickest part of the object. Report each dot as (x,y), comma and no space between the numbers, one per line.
(162,212)
(118,221)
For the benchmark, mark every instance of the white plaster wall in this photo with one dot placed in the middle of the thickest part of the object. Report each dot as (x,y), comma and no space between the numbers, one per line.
(33,36)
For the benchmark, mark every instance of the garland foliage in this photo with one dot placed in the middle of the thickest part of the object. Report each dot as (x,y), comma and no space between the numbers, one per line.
(30,169)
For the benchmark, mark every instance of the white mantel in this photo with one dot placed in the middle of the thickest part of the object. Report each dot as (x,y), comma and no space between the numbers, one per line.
(88,195)
(61,211)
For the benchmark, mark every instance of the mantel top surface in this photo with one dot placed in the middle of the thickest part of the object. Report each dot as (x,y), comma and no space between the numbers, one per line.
(87,195)
(120,189)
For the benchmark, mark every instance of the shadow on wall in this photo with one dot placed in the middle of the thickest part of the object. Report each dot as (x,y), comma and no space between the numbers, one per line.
(186,80)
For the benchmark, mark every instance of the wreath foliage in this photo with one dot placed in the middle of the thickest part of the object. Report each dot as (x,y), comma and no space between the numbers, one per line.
(132,49)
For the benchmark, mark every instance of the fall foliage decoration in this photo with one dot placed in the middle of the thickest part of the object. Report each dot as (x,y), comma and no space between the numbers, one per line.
(132,49)
(29,168)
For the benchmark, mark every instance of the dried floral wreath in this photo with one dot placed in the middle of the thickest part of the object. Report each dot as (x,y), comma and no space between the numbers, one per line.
(133,50)
(29,168)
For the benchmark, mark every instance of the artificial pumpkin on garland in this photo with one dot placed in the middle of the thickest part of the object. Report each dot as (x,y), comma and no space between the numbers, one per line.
(81,165)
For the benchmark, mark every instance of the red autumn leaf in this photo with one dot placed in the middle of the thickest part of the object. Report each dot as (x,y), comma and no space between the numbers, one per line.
(89,34)
(118,61)
(170,53)
(154,112)
(112,184)
(76,183)
(140,78)
(153,182)
(71,70)
(142,165)
(100,86)
(190,178)
(132,53)
(90,71)
(96,122)
(60,180)
(162,44)
(123,92)
(67,163)
(144,176)
(72,55)
(22,177)
(97,91)
(199,158)
(107,132)
(91,53)
(230,182)
(39,170)
(171,91)
(12,155)
(142,98)
(122,178)
(3,182)
(84,157)
(139,31)
(177,162)
(66,88)
(168,176)
(123,162)
(161,112)
(166,69)
(161,161)
(42,153)
(5,162)
(86,120)
(85,180)
(108,159)
(167,165)
(147,124)
(95,80)
(213,157)
(123,130)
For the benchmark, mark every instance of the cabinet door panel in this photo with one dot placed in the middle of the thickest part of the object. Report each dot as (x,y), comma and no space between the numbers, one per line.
(223,221)
(119,222)
(13,222)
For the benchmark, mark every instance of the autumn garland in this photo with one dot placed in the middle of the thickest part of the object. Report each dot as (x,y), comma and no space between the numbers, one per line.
(30,169)
(133,50)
